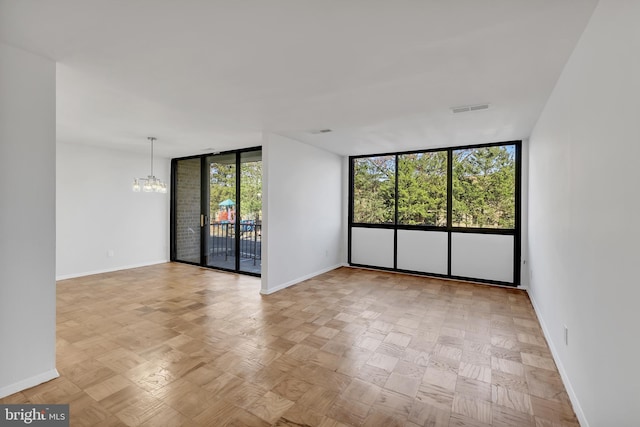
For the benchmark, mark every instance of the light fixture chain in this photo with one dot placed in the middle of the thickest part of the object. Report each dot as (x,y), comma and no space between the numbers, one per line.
(151,138)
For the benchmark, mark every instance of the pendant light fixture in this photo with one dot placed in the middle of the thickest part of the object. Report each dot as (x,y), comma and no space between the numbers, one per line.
(150,184)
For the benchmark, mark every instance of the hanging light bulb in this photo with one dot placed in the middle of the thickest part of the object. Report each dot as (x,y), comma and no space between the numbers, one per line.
(150,183)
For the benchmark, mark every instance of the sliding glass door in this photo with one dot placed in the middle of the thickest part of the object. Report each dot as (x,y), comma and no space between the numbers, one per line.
(216,211)
(250,231)
(220,239)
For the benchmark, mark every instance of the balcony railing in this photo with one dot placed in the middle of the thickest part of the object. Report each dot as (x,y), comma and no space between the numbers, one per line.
(223,240)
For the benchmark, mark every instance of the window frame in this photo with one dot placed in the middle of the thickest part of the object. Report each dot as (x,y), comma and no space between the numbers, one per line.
(394,210)
(397,200)
(453,160)
(448,228)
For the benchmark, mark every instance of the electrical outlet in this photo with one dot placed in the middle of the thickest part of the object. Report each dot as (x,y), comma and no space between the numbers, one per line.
(566,335)
(110,253)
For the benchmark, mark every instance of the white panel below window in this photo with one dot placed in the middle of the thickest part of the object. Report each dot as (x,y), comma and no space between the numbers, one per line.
(482,256)
(423,251)
(372,246)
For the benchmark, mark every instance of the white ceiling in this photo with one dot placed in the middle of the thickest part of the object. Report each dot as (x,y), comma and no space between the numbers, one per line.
(205,75)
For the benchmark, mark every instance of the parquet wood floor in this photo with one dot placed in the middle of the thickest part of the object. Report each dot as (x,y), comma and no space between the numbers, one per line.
(177,345)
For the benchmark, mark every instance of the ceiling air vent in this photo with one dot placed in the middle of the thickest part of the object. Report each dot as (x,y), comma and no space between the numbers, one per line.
(319,131)
(467,108)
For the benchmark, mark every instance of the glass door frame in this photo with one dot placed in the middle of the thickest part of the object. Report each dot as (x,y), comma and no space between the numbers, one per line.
(207,219)
(205,213)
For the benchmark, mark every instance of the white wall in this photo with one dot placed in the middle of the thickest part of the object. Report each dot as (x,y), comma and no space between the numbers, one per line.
(97,212)
(302,212)
(584,206)
(27,220)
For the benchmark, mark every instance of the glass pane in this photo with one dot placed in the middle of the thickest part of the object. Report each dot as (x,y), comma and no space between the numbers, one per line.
(222,211)
(484,187)
(187,210)
(422,189)
(251,211)
(374,190)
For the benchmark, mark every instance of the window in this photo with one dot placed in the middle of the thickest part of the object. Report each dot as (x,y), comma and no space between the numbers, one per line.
(374,190)
(422,189)
(449,212)
(484,185)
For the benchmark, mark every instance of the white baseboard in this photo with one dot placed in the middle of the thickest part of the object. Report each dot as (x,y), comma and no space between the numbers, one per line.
(28,383)
(299,279)
(582,419)
(109,270)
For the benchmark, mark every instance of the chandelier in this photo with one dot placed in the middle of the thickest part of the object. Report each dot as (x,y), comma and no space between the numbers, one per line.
(150,184)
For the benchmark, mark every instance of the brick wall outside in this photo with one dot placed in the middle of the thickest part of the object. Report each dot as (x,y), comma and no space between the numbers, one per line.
(187,214)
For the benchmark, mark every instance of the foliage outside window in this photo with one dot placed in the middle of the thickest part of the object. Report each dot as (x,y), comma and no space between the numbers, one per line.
(222,185)
(484,187)
(222,182)
(251,189)
(422,189)
(374,190)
